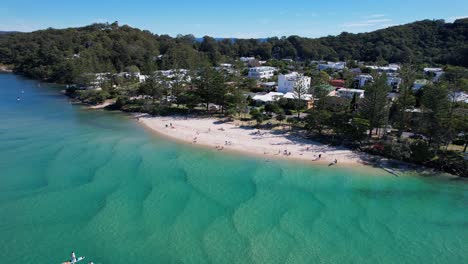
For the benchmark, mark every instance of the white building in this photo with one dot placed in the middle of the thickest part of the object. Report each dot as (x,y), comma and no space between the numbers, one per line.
(460,97)
(266,98)
(180,74)
(391,68)
(275,96)
(304,97)
(270,86)
(363,79)
(437,73)
(349,93)
(332,65)
(142,78)
(394,82)
(247,59)
(263,72)
(225,65)
(286,82)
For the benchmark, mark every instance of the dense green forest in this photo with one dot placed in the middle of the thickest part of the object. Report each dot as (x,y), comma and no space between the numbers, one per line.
(60,55)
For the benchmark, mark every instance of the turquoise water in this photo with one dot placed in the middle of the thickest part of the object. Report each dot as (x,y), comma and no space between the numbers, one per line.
(98,183)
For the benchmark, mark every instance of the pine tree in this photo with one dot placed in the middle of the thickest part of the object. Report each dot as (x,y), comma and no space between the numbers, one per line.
(374,106)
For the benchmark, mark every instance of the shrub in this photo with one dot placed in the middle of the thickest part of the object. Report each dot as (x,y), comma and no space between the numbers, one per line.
(420,151)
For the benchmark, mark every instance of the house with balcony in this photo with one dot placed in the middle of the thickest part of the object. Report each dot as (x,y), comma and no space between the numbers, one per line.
(263,72)
(349,93)
(436,73)
(287,82)
(362,80)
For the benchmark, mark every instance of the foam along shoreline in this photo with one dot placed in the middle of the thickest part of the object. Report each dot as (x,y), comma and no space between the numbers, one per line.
(232,136)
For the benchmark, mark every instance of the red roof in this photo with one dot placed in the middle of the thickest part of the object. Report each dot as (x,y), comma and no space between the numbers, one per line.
(338,83)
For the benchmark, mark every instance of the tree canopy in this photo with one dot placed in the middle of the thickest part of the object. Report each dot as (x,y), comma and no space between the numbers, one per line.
(60,55)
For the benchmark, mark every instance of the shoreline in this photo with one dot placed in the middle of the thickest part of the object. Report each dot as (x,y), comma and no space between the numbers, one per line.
(213,134)
(105,104)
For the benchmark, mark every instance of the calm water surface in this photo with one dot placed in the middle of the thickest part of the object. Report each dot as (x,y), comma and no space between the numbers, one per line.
(98,183)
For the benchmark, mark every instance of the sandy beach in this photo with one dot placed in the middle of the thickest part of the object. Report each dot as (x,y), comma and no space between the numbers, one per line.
(232,136)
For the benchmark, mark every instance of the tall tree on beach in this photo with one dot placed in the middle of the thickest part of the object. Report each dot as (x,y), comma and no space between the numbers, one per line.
(300,91)
(208,84)
(374,105)
(153,87)
(405,99)
(436,107)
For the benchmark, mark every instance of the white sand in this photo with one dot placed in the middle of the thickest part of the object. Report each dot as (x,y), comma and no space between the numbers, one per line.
(213,133)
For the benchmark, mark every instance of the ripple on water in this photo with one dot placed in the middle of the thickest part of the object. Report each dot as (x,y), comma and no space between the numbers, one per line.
(97,183)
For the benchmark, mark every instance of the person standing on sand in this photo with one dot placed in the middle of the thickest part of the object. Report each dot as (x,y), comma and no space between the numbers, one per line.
(320,156)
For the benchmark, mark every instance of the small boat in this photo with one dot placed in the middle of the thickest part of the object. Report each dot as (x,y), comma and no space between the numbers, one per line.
(18,98)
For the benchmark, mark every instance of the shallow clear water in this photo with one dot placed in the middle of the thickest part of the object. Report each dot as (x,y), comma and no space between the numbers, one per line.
(98,183)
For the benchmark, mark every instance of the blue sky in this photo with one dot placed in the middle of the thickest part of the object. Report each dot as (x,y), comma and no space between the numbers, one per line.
(232,18)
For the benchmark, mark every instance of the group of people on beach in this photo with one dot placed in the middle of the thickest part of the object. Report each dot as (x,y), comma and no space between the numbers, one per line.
(284,152)
(218,147)
(259,133)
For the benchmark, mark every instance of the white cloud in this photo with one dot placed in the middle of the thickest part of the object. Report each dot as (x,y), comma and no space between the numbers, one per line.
(375,16)
(376,21)
(368,23)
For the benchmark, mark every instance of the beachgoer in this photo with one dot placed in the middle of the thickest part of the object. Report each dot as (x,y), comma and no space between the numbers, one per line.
(73,257)
(336,161)
(320,155)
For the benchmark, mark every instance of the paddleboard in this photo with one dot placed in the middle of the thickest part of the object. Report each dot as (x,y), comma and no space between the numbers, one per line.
(72,262)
